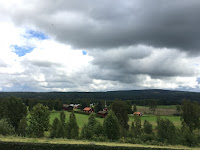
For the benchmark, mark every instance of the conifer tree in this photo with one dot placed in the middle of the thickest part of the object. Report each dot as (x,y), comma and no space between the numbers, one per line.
(134,108)
(72,129)
(111,126)
(147,127)
(120,110)
(54,127)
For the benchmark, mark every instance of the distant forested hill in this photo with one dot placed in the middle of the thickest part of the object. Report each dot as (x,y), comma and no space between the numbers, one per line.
(162,95)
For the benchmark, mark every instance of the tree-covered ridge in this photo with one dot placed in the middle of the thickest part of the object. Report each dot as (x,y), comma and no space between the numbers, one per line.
(164,96)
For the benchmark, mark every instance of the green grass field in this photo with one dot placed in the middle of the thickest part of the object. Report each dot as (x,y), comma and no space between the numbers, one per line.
(80,118)
(152,119)
(83,119)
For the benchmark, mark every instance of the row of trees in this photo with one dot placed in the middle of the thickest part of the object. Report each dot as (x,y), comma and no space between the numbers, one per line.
(13,115)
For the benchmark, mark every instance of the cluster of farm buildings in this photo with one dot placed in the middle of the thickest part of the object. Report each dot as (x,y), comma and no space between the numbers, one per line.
(89,110)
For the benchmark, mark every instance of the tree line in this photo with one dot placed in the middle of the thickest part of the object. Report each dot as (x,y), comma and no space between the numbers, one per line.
(165,97)
(115,127)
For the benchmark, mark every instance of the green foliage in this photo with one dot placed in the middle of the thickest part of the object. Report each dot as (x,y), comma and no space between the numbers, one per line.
(98,130)
(23,127)
(84,103)
(54,127)
(129,107)
(13,110)
(134,108)
(58,105)
(60,132)
(62,117)
(72,129)
(190,114)
(50,104)
(152,105)
(120,110)
(147,137)
(178,109)
(147,127)
(166,131)
(6,128)
(111,126)
(135,130)
(92,121)
(92,129)
(39,120)
(86,132)
(188,137)
(98,107)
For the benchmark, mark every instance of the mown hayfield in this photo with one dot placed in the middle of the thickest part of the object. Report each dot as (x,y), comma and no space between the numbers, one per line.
(160,110)
(84,142)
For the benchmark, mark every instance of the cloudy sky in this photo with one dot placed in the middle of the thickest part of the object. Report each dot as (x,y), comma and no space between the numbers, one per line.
(99,45)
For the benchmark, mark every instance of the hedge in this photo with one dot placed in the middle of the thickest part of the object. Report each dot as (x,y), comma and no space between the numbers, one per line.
(50,146)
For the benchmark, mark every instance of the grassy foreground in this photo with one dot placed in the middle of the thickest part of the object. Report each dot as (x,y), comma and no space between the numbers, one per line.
(81,142)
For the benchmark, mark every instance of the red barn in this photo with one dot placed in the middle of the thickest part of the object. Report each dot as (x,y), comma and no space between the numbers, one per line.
(88,110)
(137,114)
(102,113)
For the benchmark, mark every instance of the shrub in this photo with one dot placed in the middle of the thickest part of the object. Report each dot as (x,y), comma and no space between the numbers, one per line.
(147,137)
(166,131)
(189,139)
(22,128)
(5,128)
(86,132)
(147,127)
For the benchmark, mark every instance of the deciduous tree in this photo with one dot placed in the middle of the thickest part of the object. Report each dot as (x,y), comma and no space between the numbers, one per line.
(14,110)
(39,120)
(190,114)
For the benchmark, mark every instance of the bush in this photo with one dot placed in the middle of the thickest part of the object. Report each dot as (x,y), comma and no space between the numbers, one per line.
(5,128)
(86,132)
(147,127)
(188,138)
(100,138)
(22,128)
(147,137)
(166,131)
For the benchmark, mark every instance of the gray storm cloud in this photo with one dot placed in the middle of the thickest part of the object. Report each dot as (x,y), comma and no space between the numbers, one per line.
(130,44)
(110,24)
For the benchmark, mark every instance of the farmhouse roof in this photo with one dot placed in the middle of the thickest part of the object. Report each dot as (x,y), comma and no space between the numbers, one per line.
(87,108)
(137,113)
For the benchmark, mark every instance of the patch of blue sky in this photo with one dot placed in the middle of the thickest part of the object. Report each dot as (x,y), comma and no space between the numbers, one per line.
(198,80)
(35,34)
(21,50)
(84,52)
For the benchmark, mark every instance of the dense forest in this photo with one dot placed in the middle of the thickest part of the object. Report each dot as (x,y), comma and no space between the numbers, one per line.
(164,97)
